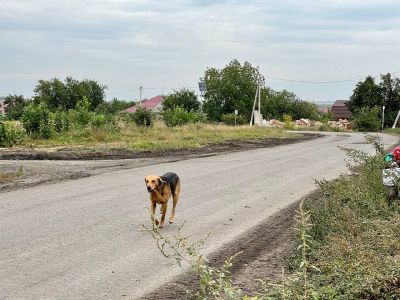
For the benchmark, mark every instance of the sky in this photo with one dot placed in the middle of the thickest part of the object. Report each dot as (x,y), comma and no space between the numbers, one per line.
(168,45)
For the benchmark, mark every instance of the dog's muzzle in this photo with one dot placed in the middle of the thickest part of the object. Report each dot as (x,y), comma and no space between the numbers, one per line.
(149,189)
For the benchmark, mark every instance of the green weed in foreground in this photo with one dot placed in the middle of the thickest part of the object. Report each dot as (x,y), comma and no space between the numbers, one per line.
(354,241)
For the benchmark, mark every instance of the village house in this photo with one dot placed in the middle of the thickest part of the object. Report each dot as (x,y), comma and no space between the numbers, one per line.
(2,107)
(153,104)
(340,110)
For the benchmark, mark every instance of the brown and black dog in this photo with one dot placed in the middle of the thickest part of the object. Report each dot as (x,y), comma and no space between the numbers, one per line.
(161,188)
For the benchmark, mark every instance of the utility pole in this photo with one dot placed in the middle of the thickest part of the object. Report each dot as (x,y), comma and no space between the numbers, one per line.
(383,116)
(397,119)
(140,97)
(254,104)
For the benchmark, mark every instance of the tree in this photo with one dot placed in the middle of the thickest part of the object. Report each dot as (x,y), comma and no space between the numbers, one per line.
(113,107)
(368,94)
(277,104)
(390,89)
(366,119)
(65,95)
(14,106)
(231,88)
(184,98)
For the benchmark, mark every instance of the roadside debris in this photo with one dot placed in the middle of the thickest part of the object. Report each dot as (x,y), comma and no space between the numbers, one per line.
(391,172)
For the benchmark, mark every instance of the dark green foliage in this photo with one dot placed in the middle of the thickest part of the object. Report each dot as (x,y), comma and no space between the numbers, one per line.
(113,107)
(184,98)
(370,94)
(179,116)
(11,134)
(230,88)
(276,104)
(366,94)
(65,95)
(14,106)
(143,117)
(366,119)
(229,119)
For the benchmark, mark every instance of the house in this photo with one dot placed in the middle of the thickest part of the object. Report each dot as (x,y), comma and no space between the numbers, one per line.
(153,104)
(340,110)
(2,107)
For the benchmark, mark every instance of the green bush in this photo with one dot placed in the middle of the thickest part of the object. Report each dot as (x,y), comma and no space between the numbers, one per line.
(61,121)
(11,134)
(36,120)
(143,117)
(229,119)
(287,121)
(179,116)
(366,119)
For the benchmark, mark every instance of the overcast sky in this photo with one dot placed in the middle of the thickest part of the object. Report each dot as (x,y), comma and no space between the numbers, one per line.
(163,45)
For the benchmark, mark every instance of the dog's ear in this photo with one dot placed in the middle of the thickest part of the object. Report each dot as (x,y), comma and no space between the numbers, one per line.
(160,181)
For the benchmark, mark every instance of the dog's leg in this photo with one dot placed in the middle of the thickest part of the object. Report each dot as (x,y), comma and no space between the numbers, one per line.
(164,212)
(153,212)
(175,199)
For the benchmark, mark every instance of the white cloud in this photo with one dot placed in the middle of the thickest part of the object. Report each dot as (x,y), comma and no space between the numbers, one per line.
(125,44)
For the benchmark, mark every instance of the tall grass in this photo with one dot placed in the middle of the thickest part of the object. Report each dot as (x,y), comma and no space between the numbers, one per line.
(354,244)
(158,137)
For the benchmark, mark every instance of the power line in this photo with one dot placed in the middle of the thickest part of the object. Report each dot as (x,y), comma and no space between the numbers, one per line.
(328,81)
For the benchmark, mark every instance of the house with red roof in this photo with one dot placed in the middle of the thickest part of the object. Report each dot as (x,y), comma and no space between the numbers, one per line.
(153,104)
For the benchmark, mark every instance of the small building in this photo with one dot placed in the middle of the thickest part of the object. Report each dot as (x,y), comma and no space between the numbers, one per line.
(340,110)
(2,107)
(153,104)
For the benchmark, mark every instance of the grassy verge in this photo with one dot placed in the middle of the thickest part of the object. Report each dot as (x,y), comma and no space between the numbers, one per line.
(392,130)
(348,241)
(158,137)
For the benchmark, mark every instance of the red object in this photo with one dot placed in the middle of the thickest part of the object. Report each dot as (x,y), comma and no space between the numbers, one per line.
(396,153)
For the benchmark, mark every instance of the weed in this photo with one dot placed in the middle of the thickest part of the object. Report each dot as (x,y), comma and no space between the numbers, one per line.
(214,282)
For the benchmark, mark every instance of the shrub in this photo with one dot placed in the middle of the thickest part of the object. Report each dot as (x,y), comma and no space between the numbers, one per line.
(179,116)
(366,119)
(229,119)
(11,134)
(61,121)
(143,117)
(287,121)
(184,98)
(36,120)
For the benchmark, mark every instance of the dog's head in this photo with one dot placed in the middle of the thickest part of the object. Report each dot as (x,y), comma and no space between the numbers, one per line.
(152,182)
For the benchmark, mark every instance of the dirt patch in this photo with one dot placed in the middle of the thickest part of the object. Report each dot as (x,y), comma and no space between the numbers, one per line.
(102,154)
(266,249)
(39,167)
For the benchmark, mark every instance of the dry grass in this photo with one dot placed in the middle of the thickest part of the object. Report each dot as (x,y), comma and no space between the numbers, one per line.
(159,137)
(8,177)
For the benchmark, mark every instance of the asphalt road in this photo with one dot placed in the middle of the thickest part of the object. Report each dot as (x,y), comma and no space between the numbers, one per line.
(81,238)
